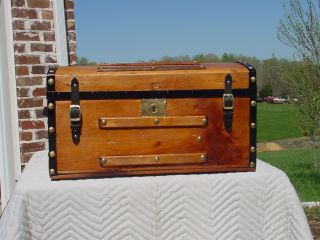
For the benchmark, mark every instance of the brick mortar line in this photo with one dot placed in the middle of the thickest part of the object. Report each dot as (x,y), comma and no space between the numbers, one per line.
(31,96)
(26,7)
(34,139)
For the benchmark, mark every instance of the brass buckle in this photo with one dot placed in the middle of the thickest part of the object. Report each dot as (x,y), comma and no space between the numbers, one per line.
(228,101)
(75,117)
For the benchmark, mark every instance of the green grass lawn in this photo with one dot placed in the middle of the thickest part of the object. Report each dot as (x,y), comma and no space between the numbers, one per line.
(298,166)
(276,121)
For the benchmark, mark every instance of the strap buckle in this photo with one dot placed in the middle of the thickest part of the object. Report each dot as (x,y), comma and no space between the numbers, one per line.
(75,113)
(228,101)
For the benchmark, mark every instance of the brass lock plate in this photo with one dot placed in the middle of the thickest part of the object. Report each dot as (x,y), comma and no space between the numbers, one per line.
(154,107)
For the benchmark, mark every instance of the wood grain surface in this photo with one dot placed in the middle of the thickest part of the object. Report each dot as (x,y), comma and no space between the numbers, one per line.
(152,122)
(205,79)
(158,159)
(225,151)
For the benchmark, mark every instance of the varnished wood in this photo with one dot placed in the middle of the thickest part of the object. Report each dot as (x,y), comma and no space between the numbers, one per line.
(210,78)
(130,141)
(222,148)
(151,64)
(149,67)
(153,122)
(147,172)
(157,159)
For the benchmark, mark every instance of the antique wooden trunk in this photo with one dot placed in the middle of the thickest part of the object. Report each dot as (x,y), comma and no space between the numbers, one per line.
(150,119)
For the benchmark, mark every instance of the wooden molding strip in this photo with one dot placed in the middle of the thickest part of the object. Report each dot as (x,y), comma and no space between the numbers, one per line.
(149,67)
(154,122)
(160,159)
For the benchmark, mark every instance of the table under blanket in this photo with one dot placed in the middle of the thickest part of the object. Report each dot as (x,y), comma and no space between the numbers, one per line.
(253,205)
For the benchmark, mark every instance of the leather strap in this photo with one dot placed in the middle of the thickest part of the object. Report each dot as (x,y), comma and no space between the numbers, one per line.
(75,92)
(228,103)
(75,112)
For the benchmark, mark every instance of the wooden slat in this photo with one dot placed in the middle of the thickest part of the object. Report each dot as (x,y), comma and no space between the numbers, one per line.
(149,67)
(162,159)
(210,78)
(147,122)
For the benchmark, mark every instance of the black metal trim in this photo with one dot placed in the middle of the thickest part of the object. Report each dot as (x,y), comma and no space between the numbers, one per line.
(51,121)
(253,111)
(52,138)
(51,75)
(252,73)
(58,96)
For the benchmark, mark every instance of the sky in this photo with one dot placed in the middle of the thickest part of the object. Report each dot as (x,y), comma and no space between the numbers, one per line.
(132,30)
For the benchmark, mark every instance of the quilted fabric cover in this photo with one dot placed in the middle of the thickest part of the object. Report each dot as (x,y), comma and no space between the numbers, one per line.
(260,205)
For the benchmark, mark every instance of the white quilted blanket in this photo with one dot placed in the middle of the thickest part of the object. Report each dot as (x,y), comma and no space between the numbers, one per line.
(260,205)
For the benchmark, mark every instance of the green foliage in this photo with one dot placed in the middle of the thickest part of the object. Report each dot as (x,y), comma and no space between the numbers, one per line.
(298,166)
(266,91)
(208,58)
(303,77)
(83,61)
(182,58)
(276,121)
(304,80)
(229,57)
(300,29)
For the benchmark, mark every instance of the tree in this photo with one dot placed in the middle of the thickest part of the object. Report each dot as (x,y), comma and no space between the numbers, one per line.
(208,58)
(83,61)
(269,72)
(168,59)
(266,91)
(229,57)
(300,29)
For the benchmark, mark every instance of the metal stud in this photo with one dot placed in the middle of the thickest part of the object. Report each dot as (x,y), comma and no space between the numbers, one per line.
(103,122)
(52,154)
(252,149)
(199,139)
(51,129)
(253,79)
(252,164)
(102,161)
(204,121)
(156,121)
(203,157)
(253,103)
(51,106)
(51,81)
(52,171)
(253,125)
(157,159)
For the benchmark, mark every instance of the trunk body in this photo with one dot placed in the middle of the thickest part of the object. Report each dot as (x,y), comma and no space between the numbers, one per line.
(152,119)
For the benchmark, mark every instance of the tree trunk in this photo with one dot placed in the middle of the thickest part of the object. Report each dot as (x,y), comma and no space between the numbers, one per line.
(314,145)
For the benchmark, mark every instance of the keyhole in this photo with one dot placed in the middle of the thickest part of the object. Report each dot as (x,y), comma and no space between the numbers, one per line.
(154,109)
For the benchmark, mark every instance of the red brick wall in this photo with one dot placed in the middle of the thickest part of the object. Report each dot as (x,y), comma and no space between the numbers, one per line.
(34,46)
(71,31)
